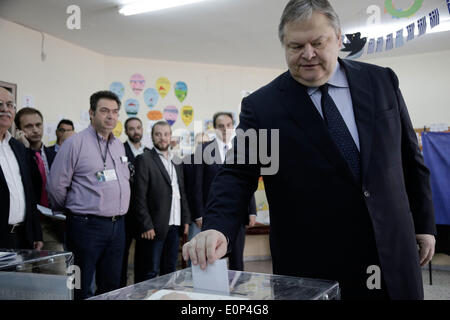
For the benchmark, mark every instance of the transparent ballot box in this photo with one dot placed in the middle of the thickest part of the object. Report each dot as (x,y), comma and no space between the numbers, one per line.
(243,285)
(35,275)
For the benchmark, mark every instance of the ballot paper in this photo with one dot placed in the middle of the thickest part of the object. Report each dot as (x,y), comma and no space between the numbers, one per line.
(49,213)
(213,279)
(186,295)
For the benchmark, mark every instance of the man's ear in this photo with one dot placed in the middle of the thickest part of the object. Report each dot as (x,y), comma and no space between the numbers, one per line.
(340,39)
(91,114)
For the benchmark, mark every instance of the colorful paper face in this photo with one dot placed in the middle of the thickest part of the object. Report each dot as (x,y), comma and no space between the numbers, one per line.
(151,97)
(170,114)
(137,83)
(180,90)
(163,86)
(117,131)
(118,88)
(154,115)
(132,107)
(187,114)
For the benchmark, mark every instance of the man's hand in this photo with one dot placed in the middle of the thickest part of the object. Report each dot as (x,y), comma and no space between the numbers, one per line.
(38,245)
(207,246)
(186,228)
(251,220)
(426,244)
(20,136)
(199,222)
(149,234)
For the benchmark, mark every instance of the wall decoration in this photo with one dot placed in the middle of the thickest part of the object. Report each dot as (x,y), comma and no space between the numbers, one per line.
(137,83)
(434,18)
(371,46)
(380,43)
(117,131)
(399,39)
(170,114)
(28,101)
(151,97)
(399,13)
(187,114)
(389,42)
(154,115)
(422,26)
(118,88)
(411,30)
(355,45)
(132,107)
(180,90)
(163,86)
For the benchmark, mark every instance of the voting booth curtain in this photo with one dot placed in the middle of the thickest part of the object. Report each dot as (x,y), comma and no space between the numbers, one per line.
(436,152)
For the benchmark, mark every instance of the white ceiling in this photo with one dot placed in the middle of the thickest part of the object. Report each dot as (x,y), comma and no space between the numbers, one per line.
(231,32)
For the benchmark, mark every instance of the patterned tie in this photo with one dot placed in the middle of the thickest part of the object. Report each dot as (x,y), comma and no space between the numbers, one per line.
(225,149)
(40,163)
(339,131)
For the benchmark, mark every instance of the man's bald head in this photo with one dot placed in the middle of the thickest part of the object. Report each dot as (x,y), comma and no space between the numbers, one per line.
(6,95)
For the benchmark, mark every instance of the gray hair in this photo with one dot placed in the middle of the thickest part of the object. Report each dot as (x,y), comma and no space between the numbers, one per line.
(300,10)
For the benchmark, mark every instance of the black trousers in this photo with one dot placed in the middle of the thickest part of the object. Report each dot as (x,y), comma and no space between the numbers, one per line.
(16,240)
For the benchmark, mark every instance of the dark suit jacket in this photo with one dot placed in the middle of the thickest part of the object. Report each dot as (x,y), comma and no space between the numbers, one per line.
(204,175)
(323,223)
(189,179)
(130,222)
(32,225)
(152,196)
(50,153)
(129,153)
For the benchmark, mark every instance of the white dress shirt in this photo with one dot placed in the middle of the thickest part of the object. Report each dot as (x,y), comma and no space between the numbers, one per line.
(223,148)
(175,210)
(11,171)
(135,151)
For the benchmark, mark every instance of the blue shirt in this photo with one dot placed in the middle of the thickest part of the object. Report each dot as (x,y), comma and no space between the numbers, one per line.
(340,92)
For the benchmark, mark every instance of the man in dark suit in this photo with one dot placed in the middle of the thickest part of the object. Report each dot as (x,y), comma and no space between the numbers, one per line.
(19,222)
(351,198)
(206,171)
(133,148)
(31,122)
(65,127)
(160,207)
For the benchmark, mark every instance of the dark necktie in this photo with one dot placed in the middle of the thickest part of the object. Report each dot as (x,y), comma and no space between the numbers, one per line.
(339,131)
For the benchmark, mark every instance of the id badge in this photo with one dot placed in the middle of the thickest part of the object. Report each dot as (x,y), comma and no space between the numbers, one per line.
(110,175)
(106,175)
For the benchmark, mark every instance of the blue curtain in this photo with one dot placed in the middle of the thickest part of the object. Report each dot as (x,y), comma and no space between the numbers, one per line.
(436,153)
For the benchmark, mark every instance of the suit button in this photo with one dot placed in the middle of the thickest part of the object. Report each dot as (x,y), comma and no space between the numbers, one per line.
(366,194)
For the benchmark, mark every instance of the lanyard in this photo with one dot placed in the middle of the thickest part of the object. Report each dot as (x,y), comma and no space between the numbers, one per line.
(106,151)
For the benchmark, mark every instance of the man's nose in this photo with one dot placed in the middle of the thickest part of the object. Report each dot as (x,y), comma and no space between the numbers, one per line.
(308,52)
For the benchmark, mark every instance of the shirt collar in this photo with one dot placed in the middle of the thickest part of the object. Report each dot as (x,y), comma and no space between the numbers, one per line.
(338,79)
(162,154)
(57,146)
(222,144)
(134,148)
(95,133)
(8,137)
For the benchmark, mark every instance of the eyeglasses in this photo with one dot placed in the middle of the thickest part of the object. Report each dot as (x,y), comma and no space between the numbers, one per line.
(8,104)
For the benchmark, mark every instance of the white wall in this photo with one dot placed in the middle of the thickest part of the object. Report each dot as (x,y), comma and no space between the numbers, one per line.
(62,84)
(425,85)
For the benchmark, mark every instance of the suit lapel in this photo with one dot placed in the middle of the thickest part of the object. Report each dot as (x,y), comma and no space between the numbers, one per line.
(160,166)
(300,107)
(20,156)
(363,108)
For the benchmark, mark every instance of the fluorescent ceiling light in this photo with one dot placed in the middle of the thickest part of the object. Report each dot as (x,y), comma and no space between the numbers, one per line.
(142,6)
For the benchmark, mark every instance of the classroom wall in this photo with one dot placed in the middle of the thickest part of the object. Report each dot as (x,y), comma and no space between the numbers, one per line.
(425,85)
(61,85)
